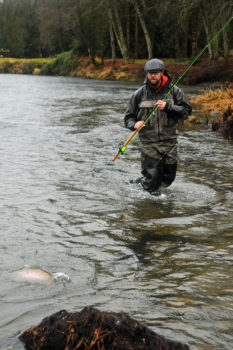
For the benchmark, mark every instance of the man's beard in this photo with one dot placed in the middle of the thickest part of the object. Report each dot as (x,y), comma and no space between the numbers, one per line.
(156,84)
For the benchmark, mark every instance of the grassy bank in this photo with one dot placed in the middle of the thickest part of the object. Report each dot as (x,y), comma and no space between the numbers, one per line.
(218,104)
(23,66)
(216,100)
(67,64)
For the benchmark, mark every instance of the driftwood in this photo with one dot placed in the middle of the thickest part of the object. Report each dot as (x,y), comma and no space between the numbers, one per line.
(91,329)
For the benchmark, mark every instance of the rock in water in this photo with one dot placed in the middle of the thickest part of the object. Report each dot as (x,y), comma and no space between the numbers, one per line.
(95,330)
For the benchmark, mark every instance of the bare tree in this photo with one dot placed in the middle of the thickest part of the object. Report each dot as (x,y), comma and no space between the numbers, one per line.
(115,19)
(144,28)
(112,41)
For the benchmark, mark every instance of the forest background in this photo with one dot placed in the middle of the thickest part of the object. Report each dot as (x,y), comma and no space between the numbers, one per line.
(105,31)
(115,28)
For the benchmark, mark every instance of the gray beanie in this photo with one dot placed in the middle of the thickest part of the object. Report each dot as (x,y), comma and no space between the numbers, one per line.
(154,66)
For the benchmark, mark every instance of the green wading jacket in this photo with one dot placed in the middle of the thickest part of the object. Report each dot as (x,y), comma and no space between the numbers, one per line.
(162,125)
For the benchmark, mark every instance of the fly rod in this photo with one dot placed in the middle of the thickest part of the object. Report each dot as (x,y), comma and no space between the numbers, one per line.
(132,136)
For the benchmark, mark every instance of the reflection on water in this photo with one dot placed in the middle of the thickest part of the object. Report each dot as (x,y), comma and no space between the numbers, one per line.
(65,207)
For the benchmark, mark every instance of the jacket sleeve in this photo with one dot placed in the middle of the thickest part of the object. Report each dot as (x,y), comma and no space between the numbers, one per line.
(181,109)
(132,110)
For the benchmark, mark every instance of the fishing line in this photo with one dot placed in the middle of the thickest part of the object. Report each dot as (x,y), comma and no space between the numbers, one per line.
(132,136)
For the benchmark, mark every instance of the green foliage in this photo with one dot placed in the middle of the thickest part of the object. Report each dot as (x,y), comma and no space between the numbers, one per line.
(76,48)
(181,28)
(17,47)
(6,67)
(28,67)
(62,65)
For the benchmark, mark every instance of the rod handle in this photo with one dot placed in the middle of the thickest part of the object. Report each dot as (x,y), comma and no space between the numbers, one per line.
(127,141)
(115,157)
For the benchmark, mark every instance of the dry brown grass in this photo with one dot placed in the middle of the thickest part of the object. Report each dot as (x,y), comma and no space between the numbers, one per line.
(216,100)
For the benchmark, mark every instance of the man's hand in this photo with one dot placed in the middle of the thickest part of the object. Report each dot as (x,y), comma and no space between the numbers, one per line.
(161,104)
(139,124)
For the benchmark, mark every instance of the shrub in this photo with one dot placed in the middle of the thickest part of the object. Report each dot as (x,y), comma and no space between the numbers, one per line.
(63,65)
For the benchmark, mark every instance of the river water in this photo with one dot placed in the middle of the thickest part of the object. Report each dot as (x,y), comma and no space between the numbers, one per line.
(68,209)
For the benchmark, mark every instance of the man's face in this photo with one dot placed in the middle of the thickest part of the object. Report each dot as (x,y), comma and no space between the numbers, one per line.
(155,78)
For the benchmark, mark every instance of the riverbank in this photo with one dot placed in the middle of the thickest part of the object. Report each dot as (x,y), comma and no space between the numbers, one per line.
(217,105)
(67,64)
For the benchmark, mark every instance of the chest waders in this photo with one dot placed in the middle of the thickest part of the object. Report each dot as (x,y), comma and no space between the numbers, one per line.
(158,172)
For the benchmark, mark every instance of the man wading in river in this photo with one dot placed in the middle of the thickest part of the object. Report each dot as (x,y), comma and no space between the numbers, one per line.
(158,137)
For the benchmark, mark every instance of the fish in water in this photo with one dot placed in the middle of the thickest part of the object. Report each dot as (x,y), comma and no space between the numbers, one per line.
(34,275)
